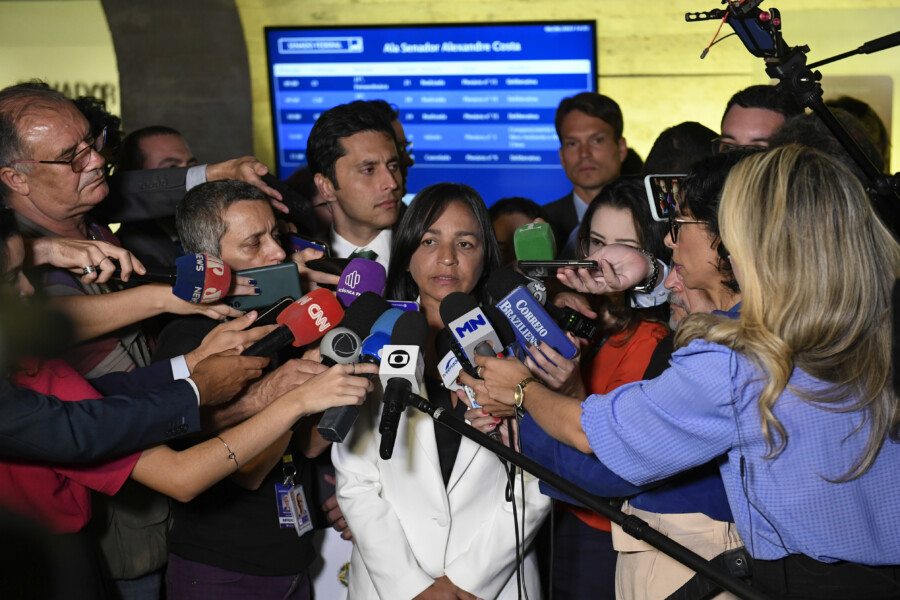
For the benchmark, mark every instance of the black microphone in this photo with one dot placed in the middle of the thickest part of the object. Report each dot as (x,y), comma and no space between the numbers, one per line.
(195,278)
(342,345)
(304,321)
(401,371)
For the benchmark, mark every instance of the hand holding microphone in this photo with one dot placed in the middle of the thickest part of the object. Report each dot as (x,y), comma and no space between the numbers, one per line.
(304,321)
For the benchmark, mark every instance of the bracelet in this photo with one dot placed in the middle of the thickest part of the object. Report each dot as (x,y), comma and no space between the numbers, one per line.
(519,393)
(650,283)
(231,455)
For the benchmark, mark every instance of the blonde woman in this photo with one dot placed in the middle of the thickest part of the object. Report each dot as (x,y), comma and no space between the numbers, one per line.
(794,395)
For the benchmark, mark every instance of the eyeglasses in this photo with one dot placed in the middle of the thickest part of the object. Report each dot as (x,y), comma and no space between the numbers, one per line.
(675,223)
(589,245)
(82,158)
(721,147)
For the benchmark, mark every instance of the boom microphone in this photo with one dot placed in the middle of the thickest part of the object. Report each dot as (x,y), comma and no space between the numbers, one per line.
(197,278)
(342,345)
(400,372)
(358,277)
(304,321)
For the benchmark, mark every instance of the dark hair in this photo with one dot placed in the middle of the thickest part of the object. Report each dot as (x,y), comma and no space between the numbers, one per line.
(766,97)
(324,147)
(391,111)
(594,105)
(15,102)
(94,110)
(515,206)
(870,120)
(199,215)
(701,196)
(809,130)
(678,147)
(131,157)
(425,209)
(633,163)
(628,193)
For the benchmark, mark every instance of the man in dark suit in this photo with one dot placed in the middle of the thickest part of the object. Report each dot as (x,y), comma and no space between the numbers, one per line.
(589,126)
(43,428)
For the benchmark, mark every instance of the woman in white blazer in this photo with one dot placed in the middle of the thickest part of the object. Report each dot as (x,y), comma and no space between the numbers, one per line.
(433,521)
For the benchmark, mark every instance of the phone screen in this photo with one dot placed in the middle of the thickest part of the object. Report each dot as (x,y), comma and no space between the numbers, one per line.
(663,194)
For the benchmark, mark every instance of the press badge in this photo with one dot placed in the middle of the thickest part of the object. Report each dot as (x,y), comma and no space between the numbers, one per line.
(292,506)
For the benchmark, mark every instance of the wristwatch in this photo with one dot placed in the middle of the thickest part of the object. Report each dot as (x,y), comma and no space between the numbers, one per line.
(650,283)
(519,394)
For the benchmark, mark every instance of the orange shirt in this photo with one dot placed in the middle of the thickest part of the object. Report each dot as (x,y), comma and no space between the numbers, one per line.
(618,362)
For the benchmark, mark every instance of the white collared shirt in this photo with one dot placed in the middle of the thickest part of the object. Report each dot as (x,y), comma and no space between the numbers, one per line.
(381,245)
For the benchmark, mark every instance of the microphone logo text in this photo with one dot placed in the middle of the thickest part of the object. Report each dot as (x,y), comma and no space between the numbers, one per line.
(471,326)
(398,358)
(352,279)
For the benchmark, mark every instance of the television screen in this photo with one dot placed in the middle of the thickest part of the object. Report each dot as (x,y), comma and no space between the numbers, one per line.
(477,101)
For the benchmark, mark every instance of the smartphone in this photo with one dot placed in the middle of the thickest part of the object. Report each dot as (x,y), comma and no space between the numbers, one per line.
(331,265)
(547,268)
(274,282)
(663,194)
(292,242)
(268,315)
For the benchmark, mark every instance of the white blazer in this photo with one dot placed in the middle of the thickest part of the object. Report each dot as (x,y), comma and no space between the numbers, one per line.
(409,529)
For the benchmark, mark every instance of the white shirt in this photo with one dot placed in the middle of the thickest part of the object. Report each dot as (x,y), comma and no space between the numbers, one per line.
(381,245)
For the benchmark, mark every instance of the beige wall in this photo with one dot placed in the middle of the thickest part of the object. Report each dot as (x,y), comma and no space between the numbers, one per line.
(649,58)
(65,43)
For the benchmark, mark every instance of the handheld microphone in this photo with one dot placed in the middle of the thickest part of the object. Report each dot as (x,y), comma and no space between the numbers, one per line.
(197,278)
(400,372)
(359,276)
(505,280)
(468,324)
(385,323)
(343,345)
(304,321)
(535,241)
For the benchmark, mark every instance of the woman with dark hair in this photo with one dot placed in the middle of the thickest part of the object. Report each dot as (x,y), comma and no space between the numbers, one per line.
(433,522)
(585,560)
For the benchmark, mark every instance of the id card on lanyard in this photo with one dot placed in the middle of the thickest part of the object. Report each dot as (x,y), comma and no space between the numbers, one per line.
(293,510)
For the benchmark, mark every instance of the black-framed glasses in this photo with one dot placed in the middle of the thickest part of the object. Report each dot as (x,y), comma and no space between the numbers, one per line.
(676,222)
(81,159)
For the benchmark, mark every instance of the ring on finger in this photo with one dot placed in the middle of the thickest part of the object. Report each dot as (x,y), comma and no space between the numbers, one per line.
(480,372)
(88,270)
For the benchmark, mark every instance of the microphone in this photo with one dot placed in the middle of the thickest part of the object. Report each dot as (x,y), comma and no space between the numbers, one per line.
(343,345)
(197,278)
(505,280)
(304,321)
(380,336)
(359,276)
(468,325)
(535,241)
(400,373)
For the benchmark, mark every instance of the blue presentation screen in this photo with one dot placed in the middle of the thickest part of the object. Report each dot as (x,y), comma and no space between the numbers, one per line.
(476,101)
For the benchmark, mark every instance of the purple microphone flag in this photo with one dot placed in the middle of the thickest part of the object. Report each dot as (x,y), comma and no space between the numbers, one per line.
(360,276)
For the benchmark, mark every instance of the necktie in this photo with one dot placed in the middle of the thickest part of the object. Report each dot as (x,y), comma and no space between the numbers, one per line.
(368,254)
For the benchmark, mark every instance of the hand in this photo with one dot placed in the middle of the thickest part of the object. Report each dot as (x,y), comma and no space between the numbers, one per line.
(494,393)
(170,303)
(221,376)
(334,515)
(576,302)
(291,374)
(232,334)
(311,276)
(248,169)
(242,286)
(444,589)
(478,417)
(620,268)
(558,373)
(504,432)
(75,255)
(340,385)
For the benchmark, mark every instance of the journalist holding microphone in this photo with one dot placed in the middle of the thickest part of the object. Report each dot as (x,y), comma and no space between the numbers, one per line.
(794,395)
(433,521)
